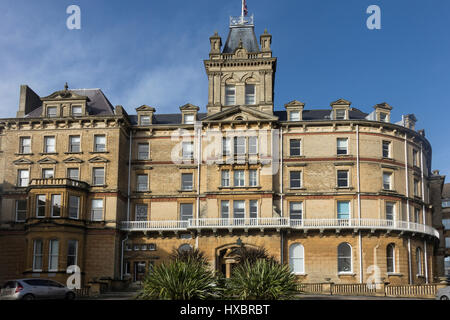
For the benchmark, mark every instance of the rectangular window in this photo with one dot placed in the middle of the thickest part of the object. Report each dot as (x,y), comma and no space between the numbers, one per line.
(387,180)
(188,150)
(189,119)
(49,145)
(56,205)
(72,253)
(74,144)
(142,182)
(447,243)
(53,255)
(343,209)
(342,146)
(77,111)
(225,209)
(145,120)
(253,145)
(446,223)
(390,210)
(141,212)
(294,147)
(73,173)
(100,143)
(253,209)
(296,210)
(294,116)
(23,178)
(187,181)
(295,179)
(21,210)
(239,145)
(250,94)
(186,211)
(416,215)
(25,145)
(416,188)
(98,176)
(226,146)
(40,205)
(415,154)
(225,178)
(143,151)
(340,114)
(386,149)
(239,209)
(97,210)
(37,255)
(446,204)
(51,112)
(342,177)
(48,174)
(383,117)
(74,207)
(230,95)
(239,178)
(253,178)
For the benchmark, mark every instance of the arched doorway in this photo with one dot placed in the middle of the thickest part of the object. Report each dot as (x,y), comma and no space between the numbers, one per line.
(227,257)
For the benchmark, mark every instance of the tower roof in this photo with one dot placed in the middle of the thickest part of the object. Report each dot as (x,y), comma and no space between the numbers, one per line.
(244,34)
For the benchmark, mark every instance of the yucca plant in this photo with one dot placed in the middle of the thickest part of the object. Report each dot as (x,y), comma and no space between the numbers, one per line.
(180,280)
(251,255)
(261,280)
(194,255)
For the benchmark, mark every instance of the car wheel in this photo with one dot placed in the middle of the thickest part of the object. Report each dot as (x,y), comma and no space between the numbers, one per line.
(70,296)
(28,297)
(444,298)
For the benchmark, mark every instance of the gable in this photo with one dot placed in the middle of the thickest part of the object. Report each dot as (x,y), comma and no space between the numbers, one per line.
(47,161)
(22,161)
(73,160)
(241,113)
(98,160)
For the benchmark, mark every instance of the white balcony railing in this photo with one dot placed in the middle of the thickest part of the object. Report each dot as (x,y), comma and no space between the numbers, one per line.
(279,223)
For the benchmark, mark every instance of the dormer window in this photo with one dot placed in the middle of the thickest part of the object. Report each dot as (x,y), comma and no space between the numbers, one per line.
(384,117)
(250,94)
(145,121)
(189,119)
(294,116)
(77,111)
(51,112)
(230,95)
(340,114)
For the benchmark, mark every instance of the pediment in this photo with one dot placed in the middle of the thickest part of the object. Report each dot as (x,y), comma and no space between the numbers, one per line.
(23,161)
(47,160)
(341,102)
(240,113)
(64,95)
(294,103)
(73,160)
(189,107)
(98,160)
(145,108)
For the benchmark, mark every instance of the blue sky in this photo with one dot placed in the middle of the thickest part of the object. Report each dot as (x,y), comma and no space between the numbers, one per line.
(151,52)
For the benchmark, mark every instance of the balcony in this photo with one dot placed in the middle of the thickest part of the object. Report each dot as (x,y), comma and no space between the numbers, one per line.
(57,182)
(279,223)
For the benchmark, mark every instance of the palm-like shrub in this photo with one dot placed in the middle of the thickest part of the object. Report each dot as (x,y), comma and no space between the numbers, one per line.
(261,280)
(193,255)
(251,255)
(180,280)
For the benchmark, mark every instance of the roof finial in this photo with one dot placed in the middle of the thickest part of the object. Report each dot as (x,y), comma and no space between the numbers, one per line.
(66,86)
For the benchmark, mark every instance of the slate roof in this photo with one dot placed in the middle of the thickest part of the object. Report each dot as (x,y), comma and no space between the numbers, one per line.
(244,33)
(97,104)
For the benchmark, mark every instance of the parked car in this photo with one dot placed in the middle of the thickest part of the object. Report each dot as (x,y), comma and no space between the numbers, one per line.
(443,294)
(31,289)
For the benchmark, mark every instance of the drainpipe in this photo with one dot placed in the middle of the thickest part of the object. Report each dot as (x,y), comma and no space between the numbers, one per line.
(361,276)
(128,204)
(424,219)
(281,194)
(407,207)
(199,161)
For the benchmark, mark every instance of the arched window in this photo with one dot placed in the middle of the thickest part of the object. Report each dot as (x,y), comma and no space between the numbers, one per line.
(185,247)
(390,258)
(344,258)
(419,261)
(297,258)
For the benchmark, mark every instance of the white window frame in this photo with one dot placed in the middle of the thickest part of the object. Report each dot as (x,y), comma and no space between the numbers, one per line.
(291,211)
(225,204)
(69,175)
(340,179)
(235,208)
(74,256)
(45,174)
(250,97)
(136,211)
(22,210)
(50,147)
(300,173)
(240,144)
(23,146)
(419,260)
(97,209)
(189,118)
(393,205)
(42,206)
(299,148)
(227,146)
(53,257)
(143,155)
(77,114)
(38,255)
(187,152)
(51,115)
(253,204)
(225,177)
(71,207)
(144,120)
(230,95)
(53,197)
(293,258)
(384,144)
(183,216)
(253,177)
(21,179)
(342,146)
(387,182)
(239,178)
(390,259)
(72,144)
(98,145)
(141,187)
(187,187)
(351,258)
(96,177)
(252,145)
(294,115)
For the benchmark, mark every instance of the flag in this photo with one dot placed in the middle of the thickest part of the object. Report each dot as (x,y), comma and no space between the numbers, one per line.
(245,9)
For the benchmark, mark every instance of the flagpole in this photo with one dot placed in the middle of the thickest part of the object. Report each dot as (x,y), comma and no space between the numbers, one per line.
(242,12)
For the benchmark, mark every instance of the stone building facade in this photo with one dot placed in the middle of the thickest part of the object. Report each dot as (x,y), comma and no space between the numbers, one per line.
(339,194)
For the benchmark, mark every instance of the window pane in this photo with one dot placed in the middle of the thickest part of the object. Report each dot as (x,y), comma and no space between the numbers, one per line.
(390,211)
(74,144)
(188,150)
(344,258)
(97,209)
(387,181)
(296,258)
(342,178)
(49,145)
(99,176)
(23,178)
(342,146)
(37,255)
(40,206)
(56,205)
(142,182)
(73,173)
(225,209)
(343,209)
(230,95)
(239,209)
(296,210)
(145,120)
(254,209)
(53,255)
(295,179)
(390,258)
(21,210)
(225,178)
(187,181)
(74,207)
(47,173)
(189,119)
(76,111)
(186,211)
(252,145)
(294,147)
(239,178)
(141,212)
(226,146)
(51,112)
(239,145)
(25,145)
(143,151)
(72,251)
(253,176)
(100,143)
(250,94)
(386,149)
(294,116)
(340,114)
